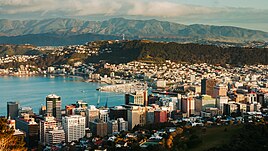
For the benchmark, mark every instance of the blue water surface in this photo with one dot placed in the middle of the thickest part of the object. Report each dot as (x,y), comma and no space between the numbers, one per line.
(32,91)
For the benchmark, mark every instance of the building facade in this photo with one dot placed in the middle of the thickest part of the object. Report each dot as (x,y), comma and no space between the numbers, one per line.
(53,106)
(74,127)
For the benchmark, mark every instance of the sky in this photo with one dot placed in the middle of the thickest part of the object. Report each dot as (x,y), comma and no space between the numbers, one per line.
(252,14)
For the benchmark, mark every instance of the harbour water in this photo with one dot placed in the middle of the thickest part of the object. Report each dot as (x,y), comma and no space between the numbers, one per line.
(32,91)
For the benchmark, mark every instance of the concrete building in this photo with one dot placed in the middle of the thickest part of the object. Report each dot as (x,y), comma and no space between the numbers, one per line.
(12,109)
(104,115)
(251,98)
(220,101)
(30,128)
(92,113)
(98,127)
(140,97)
(46,125)
(188,105)
(150,115)
(55,136)
(53,106)
(136,116)
(122,125)
(160,116)
(220,90)
(112,126)
(74,127)
(207,86)
(117,112)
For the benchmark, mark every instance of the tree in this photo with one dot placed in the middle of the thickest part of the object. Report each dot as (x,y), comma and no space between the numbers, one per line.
(9,142)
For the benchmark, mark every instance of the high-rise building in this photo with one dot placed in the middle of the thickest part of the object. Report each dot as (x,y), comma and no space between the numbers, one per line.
(12,109)
(104,115)
(220,90)
(207,86)
(122,124)
(92,113)
(55,136)
(150,115)
(136,116)
(46,125)
(251,98)
(140,97)
(160,116)
(30,128)
(188,105)
(53,106)
(74,127)
(112,126)
(118,112)
(98,128)
(220,101)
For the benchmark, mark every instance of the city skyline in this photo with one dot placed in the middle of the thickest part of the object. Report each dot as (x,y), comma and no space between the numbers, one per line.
(241,13)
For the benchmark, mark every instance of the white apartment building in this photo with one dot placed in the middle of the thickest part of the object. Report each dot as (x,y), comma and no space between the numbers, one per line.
(74,127)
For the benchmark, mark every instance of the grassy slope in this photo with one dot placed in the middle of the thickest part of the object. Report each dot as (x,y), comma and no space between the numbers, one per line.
(215,136)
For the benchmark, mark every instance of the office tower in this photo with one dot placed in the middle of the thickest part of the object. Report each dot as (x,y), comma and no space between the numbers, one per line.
(160,116)
(104,115)
(55,136)
(98,127)
(46,125)
(30,128)
(118,112)
(112,126)
(251,98)
(53,105)
(122,124)
(220,101)
(92,114)
(136,116)
(150,115)
(220,90)
(12,109)
(207,86)
(140,97)
(188,105)
(74,127)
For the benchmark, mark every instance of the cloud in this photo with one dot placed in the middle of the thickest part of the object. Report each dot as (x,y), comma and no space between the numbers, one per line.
(105,7)
(167,9)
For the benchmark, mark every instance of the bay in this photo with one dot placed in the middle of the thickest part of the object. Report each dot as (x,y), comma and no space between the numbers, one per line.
(32,91)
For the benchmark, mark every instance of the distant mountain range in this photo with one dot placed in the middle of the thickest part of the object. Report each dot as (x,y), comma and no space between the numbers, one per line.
(61,31)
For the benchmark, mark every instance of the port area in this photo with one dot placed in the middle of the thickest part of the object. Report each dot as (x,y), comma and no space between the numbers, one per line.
(124,88)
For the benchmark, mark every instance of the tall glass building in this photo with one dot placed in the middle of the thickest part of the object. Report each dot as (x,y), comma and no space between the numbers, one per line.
(53,106)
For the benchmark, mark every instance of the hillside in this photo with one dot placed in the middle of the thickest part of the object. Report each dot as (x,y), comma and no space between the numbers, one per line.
(18,50)
(149,51)
(132,29)
(189,53)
